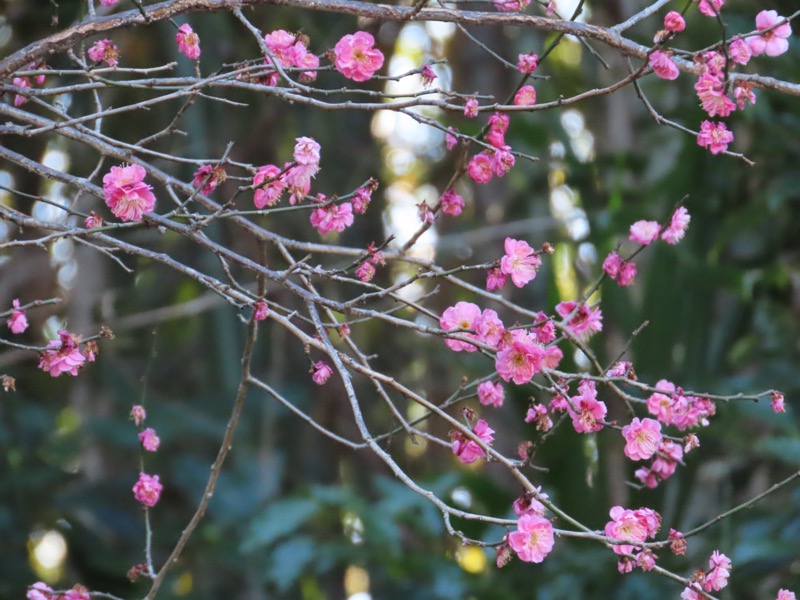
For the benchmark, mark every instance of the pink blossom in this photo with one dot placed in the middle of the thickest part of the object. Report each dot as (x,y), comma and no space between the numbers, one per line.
(138,414)
(126,194)
(714,136)
(428,75)
(463,315)
(511,5)
(711,92)
(104,50)
(710,8)
(526,96)
(689,593)
(93,220)
(306,151)
(502,160)
(108,2)
(743,94)
(20,82)
(361,199)
(268,194)
(78,592)
(776,402)
(489,328)
(212,176)
(785,595)
(612,265)
(333,217)
(528,503)
(495,279)
(298,180)
(149,440)
(625,525)
(584,323)
(662,65)
(544,329)
(365,271)
(40,591)
(647,477)
(552,357)
(480,168)
(62,356)
(260,310)
(771,43)
(620,369)
(188,42)
(588,411)
(627,274)
(450,138)
(471,108)
(452,203)
(644,232)
(491,394)
(739,51)
(720,570)
(538,414)
(673,21)
(425,213)
(520,359)
(355,57)
(17,322)
(642,438)
(678,224)
(533,540)
(322,372)
(527,63)
(520,262)
(467,450)
(147,489)
(499,122)
(496,138)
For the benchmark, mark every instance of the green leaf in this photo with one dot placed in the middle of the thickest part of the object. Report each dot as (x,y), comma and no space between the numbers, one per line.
(277,520)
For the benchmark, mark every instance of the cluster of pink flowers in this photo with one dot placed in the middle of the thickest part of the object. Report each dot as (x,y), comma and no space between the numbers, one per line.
(495,161)
(322,371)
(491,394)
(666,460)
(366,270)
(188,42)
(104,50)
(207,178)
(533,539)
(355,57)
(64,355)
(147,489)
(672,407)
(290,51)
(538,414)
(126,193)
(714,136)
(466,449)
(621,271)
(18,321)
(42,591)
(719,570)
(584,323)
(646,232)
(633,526)
(25,83)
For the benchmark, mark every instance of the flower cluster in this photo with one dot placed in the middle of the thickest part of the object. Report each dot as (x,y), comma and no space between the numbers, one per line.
(466,449)
(499,159)
(672,407)
(126,193)
(633,526)
(18,321)
(666,460)
(207,178)
(713,580)
(25,83)
(646,232)
(64,355)
(42,591)
(585,321)
(621,271)
(289,51)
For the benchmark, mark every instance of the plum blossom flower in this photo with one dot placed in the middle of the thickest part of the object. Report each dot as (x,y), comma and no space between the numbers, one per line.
(471,108)
(17,322)
(126,194)
(743,94)
(40,591)
(533,540)
(149,440)
(333,217)
(495,279)
(526,96)
(584,323)
(511,5)
(720,570)
(528,503)
(711,92)
(773,42)
(306,151)
(538,414)
(355,57)
(489,328)
(520,262)
(678,224)
(642,438)
(588,411)
(365,271)
(452,203)
(62,356)
(463,315)
(739,51)
(710,8)
(673,21)
(268,194)
(188,42)
(502,160)
(527,63)
(491,394)
(260,310)
(428,75)
(21,82)
(520,359)
(776,402)
(104,50)
(108,2)
(466,449)
(93,220)
(785,595)
(631,526)
(714,136)
(322,372)
(663,66)
(480,168)
(627,274)
(361,199)
(78,592)
(138,414)
(644,232)
(147,490)
(212,176)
